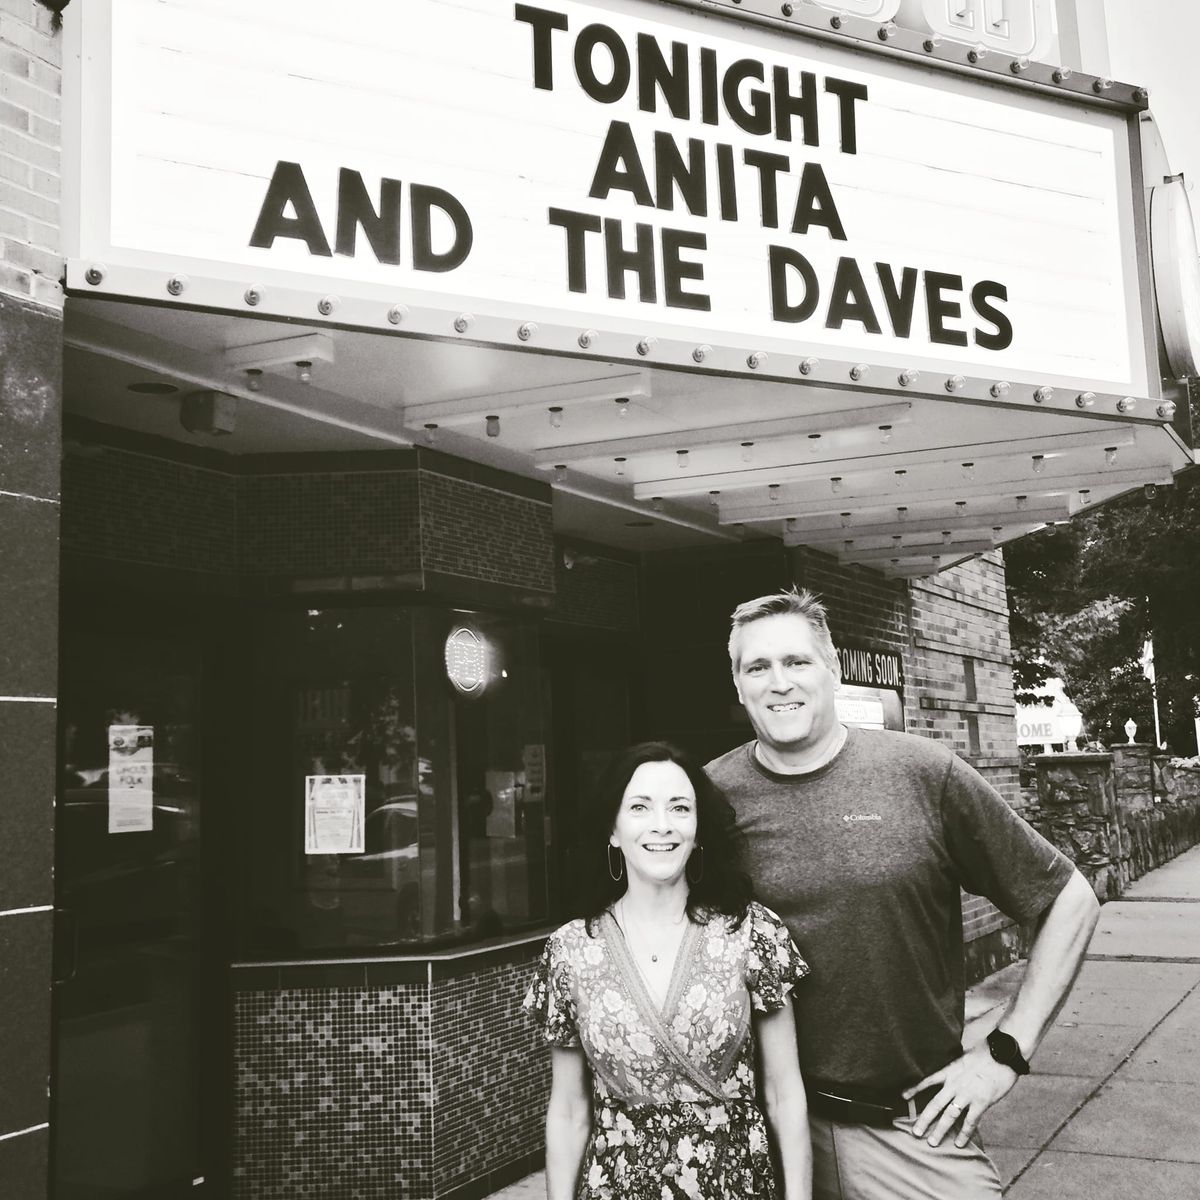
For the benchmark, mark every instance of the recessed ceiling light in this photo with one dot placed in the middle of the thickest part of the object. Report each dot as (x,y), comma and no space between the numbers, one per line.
(150,388)
(639,524)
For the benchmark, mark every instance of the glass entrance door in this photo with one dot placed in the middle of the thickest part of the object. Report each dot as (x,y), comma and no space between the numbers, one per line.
(125,1086)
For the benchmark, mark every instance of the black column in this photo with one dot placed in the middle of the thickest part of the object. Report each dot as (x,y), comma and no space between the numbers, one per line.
(31,348)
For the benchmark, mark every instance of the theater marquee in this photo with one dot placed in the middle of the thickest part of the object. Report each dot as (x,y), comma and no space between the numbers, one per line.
(621,178)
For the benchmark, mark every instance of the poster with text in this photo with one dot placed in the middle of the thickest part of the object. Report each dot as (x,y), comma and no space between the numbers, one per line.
(334,813)
(130,778)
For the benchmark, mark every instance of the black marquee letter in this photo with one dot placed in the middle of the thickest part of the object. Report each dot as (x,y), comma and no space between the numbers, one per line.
(288,186)
(543,22)
(355,208)
(981,293)
(849,300)
(939,308)
(585,44)
(898,297)
(620,150)
(814,204)
(781,258)
(676,269)
(421,200)
(575,224)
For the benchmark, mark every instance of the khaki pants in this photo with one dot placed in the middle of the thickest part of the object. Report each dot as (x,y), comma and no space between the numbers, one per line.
(858,1162)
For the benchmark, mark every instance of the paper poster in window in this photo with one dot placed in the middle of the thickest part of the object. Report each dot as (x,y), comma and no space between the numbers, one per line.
(334,813)
(130,778)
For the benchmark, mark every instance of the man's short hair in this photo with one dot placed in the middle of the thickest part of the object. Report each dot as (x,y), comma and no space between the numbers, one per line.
(792,602)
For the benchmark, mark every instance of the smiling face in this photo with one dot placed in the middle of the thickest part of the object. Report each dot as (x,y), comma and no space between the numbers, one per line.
(656,823)
(786,686)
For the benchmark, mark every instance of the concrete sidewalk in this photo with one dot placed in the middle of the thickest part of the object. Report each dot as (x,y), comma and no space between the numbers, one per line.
(1112,1108)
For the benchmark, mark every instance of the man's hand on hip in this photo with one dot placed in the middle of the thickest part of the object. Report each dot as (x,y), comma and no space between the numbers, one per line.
(970,1085)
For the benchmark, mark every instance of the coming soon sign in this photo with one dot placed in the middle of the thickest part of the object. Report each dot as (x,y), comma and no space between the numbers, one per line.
(625,165)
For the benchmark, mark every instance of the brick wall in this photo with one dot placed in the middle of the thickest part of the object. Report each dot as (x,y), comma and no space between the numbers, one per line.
(30,408)
(30,153)
(952,630)
(961,693)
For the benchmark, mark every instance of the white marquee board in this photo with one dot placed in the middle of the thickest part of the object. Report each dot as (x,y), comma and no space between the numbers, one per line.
(998,218)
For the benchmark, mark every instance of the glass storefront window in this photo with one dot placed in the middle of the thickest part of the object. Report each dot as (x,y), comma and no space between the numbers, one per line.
(395,782)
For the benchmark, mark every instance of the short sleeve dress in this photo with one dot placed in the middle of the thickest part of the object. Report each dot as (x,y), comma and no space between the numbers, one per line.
(674,1109)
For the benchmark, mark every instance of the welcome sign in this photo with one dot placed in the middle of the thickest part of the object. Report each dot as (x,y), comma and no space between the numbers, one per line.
(622,167)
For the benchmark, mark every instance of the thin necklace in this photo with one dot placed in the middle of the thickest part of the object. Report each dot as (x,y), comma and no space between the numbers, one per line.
(627,924)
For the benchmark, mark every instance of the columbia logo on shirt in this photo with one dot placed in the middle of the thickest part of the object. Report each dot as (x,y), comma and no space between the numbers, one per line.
(851,818)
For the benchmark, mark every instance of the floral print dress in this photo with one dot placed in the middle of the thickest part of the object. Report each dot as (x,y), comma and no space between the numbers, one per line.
(674,1109)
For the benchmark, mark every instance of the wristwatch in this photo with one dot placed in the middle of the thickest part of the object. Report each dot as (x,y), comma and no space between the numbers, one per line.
(1005,1050)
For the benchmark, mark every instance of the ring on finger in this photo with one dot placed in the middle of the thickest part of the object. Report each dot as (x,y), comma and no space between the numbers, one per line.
(955,1107)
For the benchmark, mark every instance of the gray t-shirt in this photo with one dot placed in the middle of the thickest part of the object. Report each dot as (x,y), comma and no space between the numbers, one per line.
(863,859)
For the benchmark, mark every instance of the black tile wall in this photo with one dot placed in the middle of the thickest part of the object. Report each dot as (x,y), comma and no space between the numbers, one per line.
(24,1162)
(24,1020)
(27,805)
(31,350)
(31,354)
(28,597)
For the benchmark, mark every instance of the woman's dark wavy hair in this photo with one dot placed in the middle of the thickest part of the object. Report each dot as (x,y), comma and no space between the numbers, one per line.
(723,886)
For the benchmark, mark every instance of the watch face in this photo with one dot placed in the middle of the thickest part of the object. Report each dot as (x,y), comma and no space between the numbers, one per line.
(1003,1046)
(1005,1049)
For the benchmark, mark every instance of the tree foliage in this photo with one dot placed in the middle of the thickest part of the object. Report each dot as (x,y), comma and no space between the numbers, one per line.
(1084,597)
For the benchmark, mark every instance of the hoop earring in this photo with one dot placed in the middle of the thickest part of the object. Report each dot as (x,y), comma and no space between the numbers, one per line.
(699,851)
(618,874)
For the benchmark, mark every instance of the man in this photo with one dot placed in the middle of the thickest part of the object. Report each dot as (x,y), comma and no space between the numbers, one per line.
(860,840)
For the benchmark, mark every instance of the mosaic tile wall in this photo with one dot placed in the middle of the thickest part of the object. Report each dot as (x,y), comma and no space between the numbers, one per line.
(329,524)
(334,1095)
(136,508)
(480,532)
(491,1073)
(230,520)
(418,1091)
(599,592)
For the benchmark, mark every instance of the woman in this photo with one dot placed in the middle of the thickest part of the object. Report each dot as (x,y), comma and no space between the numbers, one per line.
(647,1003)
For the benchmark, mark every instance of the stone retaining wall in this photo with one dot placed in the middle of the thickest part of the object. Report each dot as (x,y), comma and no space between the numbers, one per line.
(1118,814)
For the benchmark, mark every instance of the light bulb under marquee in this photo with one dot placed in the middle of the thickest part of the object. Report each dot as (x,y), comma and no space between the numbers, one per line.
(556,416)
(835,484)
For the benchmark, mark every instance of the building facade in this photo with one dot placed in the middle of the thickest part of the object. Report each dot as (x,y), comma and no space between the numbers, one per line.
(426,394)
